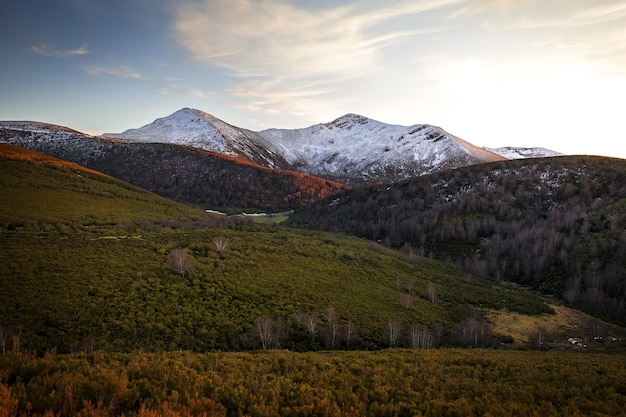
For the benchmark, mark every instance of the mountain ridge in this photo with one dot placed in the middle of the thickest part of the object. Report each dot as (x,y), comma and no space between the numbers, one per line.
(351,149)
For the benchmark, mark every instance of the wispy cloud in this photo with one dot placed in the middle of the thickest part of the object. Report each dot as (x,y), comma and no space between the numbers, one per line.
(283,47)
(120,71)
(47,50)
(593,29)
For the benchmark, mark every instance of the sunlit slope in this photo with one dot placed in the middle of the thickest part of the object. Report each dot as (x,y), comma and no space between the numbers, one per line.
(38,188)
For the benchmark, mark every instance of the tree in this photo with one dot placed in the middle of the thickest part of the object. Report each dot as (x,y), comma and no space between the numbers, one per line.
(350,333)
(264,329)
(4,338)
(393,332)
(431,292)
(220,244)
(421,337)
(181,263)
(332,327)
(18,339)
(311,324)
(405,300)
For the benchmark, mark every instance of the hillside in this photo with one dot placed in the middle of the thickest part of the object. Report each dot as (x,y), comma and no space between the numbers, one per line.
(180,173)
(37,189)
(553,224)
(121,269)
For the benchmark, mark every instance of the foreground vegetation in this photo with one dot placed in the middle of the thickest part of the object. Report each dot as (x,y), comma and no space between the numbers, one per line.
(448,382)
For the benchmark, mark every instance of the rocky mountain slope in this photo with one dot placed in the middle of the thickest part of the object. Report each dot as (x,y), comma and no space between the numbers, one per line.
(350,149)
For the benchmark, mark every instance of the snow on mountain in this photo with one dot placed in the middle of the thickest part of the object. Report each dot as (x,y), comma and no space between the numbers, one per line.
(355,148)
(351,148)
(512,152)
(201,130)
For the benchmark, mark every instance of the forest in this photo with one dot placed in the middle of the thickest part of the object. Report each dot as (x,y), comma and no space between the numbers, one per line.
(554,224)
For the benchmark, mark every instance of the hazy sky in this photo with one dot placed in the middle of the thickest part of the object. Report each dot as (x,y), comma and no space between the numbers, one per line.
(493,72)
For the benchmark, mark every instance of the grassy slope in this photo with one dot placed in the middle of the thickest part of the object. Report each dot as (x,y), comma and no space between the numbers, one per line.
(37,188)
(111,283)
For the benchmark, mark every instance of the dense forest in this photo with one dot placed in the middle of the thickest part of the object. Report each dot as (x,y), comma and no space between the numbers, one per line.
(181,173)
(554,224)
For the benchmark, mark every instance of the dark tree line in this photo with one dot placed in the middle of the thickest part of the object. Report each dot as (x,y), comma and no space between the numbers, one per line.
(554,224)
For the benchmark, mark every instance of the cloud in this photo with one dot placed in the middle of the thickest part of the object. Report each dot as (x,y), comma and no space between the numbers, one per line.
(514,14)
(594,30)
(288,50)
(47,50)
(116,71)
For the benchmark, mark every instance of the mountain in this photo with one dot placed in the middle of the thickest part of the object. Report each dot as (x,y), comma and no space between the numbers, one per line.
(201,130)
(355,149)
(512,152)
(554,224)
(350,149)
(178,172)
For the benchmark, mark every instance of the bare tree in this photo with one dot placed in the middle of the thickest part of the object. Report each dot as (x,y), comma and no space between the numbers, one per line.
(220,244)
(405,300)
(4,338)
(181,263)
(421,337)
(18,338)
(393,332)
(410,285)
(332,326)
(538,338)
(264,329)
(311,324)
(350,333)
(431,292)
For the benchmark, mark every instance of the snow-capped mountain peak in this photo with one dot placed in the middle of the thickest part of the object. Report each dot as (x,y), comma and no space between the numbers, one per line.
(186,126)
(351,148)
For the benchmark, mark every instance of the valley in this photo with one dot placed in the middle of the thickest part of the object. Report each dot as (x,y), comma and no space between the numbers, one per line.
(126,290)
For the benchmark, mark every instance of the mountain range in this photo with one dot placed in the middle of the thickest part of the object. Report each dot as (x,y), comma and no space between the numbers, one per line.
(352,149)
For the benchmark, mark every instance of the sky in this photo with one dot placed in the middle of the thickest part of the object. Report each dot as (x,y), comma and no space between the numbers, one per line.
(545,73)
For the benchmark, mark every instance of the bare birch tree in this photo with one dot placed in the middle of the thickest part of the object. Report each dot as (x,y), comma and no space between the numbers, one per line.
(181,263)
(311,324)
(393,332)
(220,244)
(332,327)
(421,337)
(350,333)
(264,329)
(431,292)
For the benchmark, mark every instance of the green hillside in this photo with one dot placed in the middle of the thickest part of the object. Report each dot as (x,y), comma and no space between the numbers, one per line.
(87,263)
(38,189)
